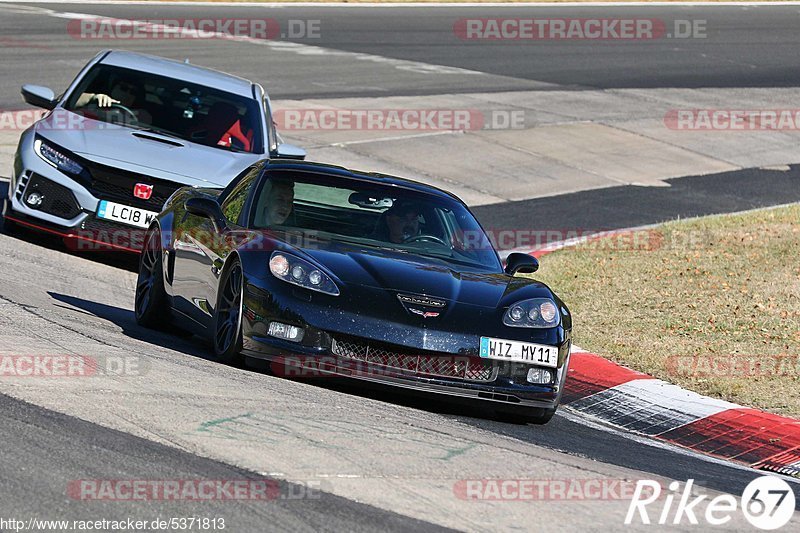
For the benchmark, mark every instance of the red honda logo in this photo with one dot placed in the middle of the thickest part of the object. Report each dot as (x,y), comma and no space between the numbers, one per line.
(143,191)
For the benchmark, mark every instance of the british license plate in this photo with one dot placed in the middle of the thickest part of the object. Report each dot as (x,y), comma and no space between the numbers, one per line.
(132,216)
(521,352)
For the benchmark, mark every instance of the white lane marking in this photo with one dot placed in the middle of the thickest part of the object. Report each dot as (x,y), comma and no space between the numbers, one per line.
(668,395)
(663,395)
(650,406)
(149,3)
(418,67)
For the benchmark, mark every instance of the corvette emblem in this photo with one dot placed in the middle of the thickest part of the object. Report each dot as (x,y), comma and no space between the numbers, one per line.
(143,191)
(426,301)
(424,306)
(424,314)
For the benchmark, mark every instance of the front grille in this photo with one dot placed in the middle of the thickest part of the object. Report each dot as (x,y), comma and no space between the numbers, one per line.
(117,186)
(57,200)
(444,365)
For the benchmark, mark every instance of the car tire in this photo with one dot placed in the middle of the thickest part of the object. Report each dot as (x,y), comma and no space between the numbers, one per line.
(538,416)
(227,333)
(151,306)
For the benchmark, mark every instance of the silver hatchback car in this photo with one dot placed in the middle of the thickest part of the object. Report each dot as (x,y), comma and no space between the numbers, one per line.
(127,133)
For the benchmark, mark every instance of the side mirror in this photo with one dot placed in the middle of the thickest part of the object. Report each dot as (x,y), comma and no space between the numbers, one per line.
(39,96)
(208,208)
(289,151)
(521,263)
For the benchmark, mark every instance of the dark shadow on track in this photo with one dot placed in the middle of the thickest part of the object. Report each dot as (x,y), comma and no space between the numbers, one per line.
(630,206)
(177,340)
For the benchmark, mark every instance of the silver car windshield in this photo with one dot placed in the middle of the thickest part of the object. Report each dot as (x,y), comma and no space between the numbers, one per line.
(169,106)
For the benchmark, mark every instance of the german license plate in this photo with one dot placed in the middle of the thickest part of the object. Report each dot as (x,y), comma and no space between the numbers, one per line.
(521,352)
(125,214)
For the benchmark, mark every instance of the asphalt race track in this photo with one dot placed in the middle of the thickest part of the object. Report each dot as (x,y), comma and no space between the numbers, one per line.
(372,459)
(744,47)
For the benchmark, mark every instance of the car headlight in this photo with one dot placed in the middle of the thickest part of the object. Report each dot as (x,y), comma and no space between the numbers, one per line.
(533,313)
(300,272)
(56,158)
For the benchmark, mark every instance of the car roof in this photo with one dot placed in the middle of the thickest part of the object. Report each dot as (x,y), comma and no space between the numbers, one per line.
(374,177)
(180,70)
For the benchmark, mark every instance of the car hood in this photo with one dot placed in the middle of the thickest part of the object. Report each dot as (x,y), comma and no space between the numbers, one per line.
(409,274)
(139,151)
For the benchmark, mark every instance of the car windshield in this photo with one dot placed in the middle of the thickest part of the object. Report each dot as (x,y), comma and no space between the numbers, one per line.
(169,106)
(367,214)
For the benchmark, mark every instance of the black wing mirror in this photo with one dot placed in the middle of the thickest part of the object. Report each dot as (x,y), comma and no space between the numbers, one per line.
(208,208)
(521,263)
(39,96)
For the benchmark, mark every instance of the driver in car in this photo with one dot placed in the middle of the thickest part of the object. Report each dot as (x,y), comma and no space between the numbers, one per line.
(279,202)
(402,221)
(124,92)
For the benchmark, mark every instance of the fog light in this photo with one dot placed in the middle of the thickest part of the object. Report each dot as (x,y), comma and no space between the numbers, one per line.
(285,331)
(34,200)
(540,376)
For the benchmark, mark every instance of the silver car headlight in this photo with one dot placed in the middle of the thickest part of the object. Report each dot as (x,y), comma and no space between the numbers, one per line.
(56,157)
(300,272)
(533,313)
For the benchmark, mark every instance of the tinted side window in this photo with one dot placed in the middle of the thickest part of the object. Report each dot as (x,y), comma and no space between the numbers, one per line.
(234,202)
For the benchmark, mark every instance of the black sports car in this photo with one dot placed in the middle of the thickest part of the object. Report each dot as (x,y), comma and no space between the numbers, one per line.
(324,271)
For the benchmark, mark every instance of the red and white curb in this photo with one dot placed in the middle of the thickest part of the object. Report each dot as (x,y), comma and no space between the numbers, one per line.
(648,406)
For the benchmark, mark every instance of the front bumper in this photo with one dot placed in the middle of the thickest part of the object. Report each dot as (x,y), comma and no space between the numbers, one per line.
(414,357)
(70,203)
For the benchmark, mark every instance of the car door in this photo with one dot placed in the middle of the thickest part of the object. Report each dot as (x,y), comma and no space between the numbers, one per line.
(218,250)
(199,252)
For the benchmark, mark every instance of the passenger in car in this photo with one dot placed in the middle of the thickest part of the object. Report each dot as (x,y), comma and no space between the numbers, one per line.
(223,126)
